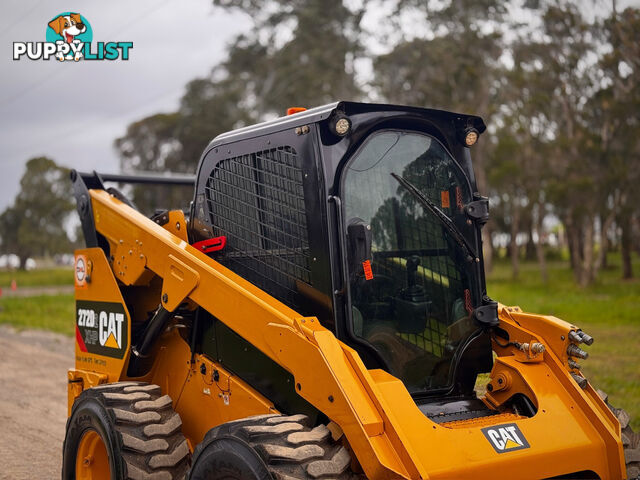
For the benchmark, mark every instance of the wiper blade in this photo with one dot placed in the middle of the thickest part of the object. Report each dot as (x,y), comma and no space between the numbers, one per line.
(439,214)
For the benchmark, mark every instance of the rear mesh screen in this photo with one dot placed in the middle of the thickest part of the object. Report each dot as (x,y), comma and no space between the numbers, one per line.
(257,202)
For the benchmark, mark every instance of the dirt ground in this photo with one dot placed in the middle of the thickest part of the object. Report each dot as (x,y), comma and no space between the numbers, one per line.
(33,402)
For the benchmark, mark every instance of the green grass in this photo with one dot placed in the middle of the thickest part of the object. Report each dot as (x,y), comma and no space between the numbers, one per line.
(609,310)
(39,278)
(48,312)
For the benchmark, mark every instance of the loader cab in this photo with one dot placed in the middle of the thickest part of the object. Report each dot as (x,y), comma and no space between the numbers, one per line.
(367,217)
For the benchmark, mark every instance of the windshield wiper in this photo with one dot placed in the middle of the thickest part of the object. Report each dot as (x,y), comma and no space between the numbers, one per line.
(446,222)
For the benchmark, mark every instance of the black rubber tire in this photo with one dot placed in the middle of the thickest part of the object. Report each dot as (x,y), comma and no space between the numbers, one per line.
(270,447)
(141,432)
(630,440)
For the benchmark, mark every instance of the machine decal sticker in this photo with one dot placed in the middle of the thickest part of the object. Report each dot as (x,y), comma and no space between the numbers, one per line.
(505,438)
(101,328)
(81,271)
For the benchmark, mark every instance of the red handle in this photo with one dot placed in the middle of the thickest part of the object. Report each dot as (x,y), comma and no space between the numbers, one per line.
(214,244)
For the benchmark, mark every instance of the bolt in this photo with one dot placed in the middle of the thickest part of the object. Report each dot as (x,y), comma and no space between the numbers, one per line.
(86,461)
(537,347)
(203,369)
(331,398)
(165,298)
(177,225)
(500,381)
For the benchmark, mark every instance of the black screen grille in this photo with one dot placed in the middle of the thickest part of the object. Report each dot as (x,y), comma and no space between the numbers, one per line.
(257,202)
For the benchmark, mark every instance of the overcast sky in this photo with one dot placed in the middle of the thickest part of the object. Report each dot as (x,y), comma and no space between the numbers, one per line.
(71,111)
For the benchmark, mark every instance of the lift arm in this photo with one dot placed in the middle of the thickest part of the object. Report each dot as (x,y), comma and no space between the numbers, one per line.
(328,374)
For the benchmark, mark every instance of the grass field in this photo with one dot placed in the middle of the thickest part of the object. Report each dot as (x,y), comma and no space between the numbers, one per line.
(36,278)
(49,312)
(608,310)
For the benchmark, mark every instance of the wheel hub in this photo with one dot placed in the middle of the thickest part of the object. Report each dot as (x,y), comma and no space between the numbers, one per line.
(92,460)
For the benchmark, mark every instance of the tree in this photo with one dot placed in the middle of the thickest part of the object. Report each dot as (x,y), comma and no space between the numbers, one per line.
(300,53)
(34,224)
(518,166)
(615,118)
(559,64)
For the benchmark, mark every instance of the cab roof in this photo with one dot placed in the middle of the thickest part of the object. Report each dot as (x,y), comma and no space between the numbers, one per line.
(317,114)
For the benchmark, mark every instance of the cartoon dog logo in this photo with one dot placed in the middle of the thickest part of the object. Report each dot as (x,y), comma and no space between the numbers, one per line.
(68,27)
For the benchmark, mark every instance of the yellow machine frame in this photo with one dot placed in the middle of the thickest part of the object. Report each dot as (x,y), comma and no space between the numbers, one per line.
(573,428)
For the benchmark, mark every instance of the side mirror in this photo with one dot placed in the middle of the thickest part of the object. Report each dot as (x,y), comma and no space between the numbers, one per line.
(359,236)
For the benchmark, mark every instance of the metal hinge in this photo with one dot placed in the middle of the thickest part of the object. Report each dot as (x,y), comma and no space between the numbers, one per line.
(478,210)
(487,315)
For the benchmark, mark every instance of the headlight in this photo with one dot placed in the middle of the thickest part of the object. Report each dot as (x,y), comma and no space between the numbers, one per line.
(470,136)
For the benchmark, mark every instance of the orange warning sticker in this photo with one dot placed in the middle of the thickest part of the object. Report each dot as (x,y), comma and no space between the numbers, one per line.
(368,273)
(444,196)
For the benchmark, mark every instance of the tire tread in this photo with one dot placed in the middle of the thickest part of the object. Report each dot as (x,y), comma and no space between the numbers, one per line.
(151,442)
(290,447)
(630,439)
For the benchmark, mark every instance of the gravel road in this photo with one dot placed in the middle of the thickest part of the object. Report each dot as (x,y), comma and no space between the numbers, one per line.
(33,402)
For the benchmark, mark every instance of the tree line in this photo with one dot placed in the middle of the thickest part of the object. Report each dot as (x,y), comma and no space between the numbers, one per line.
(555,81)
